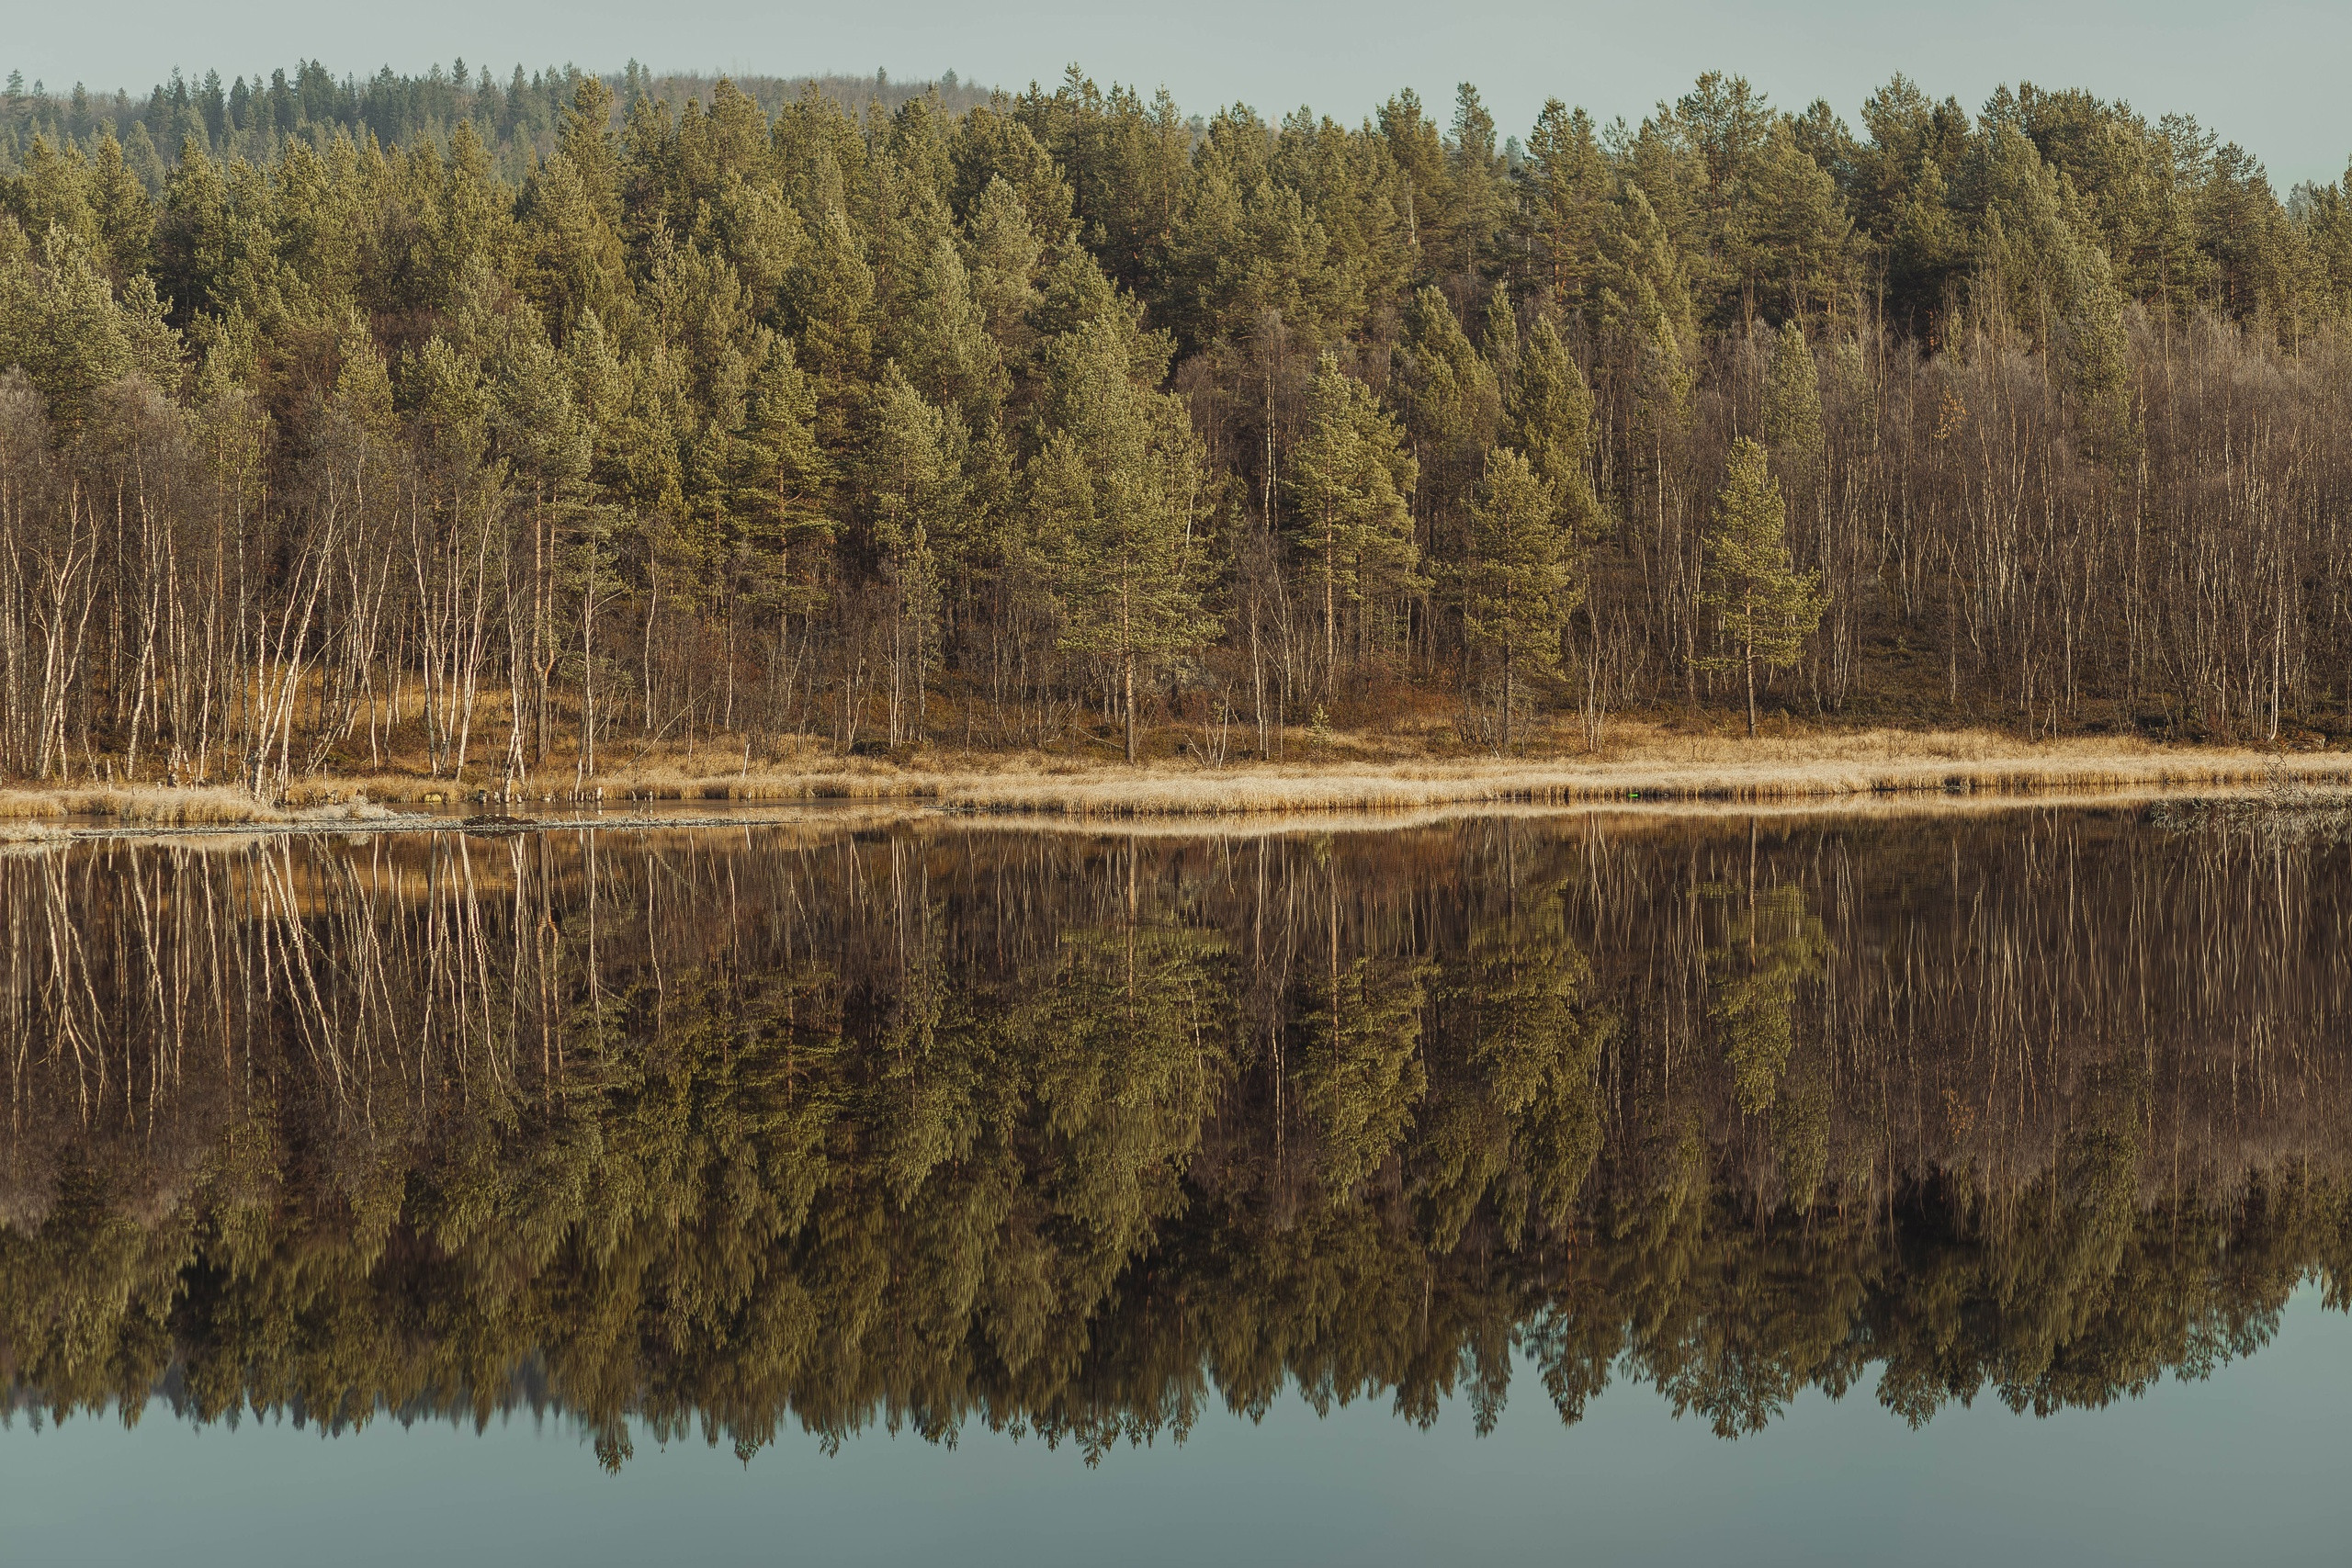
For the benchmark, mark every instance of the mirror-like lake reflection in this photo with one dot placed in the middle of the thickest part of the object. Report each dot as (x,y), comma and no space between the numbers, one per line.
(734,1134)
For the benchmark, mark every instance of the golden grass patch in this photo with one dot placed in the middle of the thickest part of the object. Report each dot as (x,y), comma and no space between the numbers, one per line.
(155,804)
(1648,762)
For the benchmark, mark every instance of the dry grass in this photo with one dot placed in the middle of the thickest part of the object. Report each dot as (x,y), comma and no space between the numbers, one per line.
(159,805)
(1355,775)
(145,803)
(1366,773)
(1740,779)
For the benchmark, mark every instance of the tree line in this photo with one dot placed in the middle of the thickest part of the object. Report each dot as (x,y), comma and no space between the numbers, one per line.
(555,419)
(1104,1135)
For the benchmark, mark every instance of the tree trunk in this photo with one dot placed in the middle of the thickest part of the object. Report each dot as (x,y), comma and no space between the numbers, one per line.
(1128,674)
(1507,696)
(1330,611)
(1751,667)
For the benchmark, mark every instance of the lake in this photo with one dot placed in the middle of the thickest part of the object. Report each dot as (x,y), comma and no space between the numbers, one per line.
(1596,1187)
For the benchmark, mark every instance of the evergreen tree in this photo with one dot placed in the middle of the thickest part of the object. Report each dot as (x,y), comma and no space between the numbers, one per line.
(1768,607)
(192,236)
(830,301)
(571,256)
(1549,420)
(1451,404)
(538,427)
(1004,257)
(1476,192)
(1642,276)
(1350,479)
(125,218)
(1363,1073)
(915,486)
(61,322)
(1569,186)
(53,192)
(778,476)
(1518,586)
(1792,403)
(2098,360)
(1802,232)
(939,335)
(1116,508)
(1522,992)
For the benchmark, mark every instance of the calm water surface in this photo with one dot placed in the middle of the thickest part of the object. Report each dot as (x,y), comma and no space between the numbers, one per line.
(1586,1188)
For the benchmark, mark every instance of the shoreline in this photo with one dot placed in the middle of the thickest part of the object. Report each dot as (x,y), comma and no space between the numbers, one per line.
(1689,775)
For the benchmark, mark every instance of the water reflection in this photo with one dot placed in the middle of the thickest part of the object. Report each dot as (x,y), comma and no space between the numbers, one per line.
(1088,1136)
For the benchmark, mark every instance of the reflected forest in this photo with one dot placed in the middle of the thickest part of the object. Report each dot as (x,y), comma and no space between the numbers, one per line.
(837,1124)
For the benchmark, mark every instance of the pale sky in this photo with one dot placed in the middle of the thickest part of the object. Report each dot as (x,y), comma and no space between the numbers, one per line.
(2266,74)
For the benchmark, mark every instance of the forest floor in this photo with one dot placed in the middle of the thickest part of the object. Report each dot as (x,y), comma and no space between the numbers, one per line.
(1339,772)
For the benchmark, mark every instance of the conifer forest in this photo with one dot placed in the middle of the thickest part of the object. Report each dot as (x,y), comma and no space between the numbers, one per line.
(501,428)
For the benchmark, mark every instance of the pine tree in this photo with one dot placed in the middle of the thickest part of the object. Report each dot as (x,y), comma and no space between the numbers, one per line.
(777,477)
(60,320)
(1663,386)
(475,210)
(1549,419)
(1363,1070)
(1518,588)
(192,234)
(55,192)
(1004,255)
(1477,192)
(2098,360)
(1568,189)
(1769,608)
(1801,233)
(1661,418)
(1792,403)
(830,304)
(586,140)
(938,333)
(915,485)
(1115,499)
(1642,279)
(572,260)
(363,386)
(1451,406)
(1350,479)
(760,233)
(125,218)
(1498,334)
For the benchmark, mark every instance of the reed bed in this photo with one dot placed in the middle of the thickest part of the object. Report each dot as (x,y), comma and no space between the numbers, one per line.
(159,805)
(1794,778)
(1648,764)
